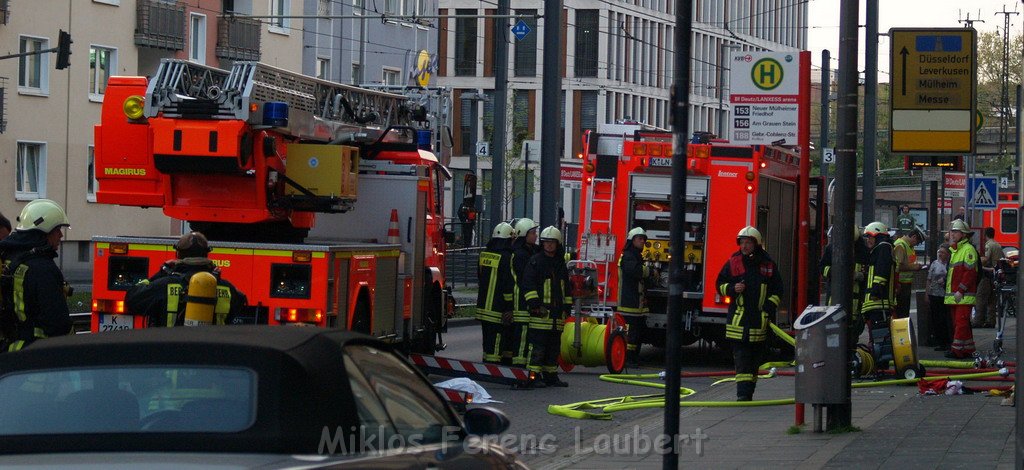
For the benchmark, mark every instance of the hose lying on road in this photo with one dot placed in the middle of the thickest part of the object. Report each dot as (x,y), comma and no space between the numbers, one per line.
(634,402)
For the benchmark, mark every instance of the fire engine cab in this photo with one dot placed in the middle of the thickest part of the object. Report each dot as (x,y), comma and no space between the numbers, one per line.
(627,183)
(322,201)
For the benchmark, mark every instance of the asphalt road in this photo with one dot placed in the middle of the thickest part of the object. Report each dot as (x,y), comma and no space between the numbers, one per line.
(542,438)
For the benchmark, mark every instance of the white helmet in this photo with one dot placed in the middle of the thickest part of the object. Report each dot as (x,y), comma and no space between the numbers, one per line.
(875,229)
(551,234)
(503,230)
(524,225)
(43,215)
(959,225)
(636,232)
(749,232)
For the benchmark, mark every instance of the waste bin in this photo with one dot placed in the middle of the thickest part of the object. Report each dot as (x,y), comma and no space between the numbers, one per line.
(821,360)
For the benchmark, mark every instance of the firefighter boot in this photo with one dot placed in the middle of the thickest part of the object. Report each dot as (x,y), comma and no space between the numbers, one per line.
(551,380)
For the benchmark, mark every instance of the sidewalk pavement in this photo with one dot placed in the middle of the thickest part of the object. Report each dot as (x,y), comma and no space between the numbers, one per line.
(898,429)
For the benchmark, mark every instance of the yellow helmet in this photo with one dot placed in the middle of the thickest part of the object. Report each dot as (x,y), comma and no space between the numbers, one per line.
(875,228)
(524,225)
(43,215)
(959,225)
(749,232)
(503,230)
(551,234)
(636,232)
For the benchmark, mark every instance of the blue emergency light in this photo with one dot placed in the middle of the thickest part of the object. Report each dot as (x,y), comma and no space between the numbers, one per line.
(423,139)
(275,113)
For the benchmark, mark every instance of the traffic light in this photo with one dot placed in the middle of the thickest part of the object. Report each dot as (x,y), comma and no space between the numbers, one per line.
(64,50)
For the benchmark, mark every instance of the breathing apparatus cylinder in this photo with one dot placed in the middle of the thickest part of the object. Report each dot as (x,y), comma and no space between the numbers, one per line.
(202,297)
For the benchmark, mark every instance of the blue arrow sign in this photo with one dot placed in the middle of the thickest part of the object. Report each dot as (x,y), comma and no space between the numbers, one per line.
(520,30)
(982,192)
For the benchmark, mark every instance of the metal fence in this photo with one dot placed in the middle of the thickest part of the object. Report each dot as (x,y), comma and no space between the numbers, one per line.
(461,266)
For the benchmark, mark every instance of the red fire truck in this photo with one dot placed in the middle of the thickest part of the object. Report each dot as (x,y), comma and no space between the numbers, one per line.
(322,201)
(627,183)
(1004,218)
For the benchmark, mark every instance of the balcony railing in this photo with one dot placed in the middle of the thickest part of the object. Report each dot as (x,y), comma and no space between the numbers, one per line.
(238,38)
(160,24)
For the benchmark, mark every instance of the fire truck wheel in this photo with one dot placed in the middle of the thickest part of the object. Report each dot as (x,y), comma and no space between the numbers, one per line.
(615,352)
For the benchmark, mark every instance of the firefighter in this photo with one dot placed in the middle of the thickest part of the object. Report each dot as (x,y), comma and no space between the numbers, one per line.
(632,305)
(5,227)
(33,293)
(880,291)
(906,264)
(752,280)
(523,248)
(163,296)
(494,295)
(961,288)
(545,284)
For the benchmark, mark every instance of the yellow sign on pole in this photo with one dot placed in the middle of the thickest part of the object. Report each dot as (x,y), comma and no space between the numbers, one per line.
(933,90)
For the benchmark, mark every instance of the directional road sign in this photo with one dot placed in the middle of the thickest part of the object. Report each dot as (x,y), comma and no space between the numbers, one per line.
(983,192)
(934,90)
(521,29)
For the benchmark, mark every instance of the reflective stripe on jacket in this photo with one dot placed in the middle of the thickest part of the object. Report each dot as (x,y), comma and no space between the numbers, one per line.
(749,311)
(907,277)
(962,273)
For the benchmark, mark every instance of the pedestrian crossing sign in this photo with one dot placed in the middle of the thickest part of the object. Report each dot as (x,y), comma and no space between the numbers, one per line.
(983,192)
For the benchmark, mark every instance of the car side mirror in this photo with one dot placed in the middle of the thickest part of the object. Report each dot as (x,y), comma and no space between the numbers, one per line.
(485,421)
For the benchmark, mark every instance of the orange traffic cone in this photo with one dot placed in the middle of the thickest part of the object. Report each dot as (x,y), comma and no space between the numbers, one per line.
(393,228)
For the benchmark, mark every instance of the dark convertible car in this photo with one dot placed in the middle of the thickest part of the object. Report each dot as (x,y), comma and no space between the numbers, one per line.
(242,396)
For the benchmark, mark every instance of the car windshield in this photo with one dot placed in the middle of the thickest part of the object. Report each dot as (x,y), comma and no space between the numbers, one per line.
(128,400)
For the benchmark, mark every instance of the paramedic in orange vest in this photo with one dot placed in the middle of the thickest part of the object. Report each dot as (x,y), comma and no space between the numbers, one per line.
(961,288)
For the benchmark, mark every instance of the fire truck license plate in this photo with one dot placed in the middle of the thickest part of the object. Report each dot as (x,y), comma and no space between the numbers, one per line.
(116,322)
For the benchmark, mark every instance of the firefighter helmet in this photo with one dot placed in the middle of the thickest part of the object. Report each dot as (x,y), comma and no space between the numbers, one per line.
(551,234)
(43,215)
(503,230)
(959,225)
(524,225)
(751,233)
(875,229)
(192,245)
(636,232)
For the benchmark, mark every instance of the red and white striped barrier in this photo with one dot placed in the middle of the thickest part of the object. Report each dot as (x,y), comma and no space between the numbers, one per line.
(458,398)
(475,370)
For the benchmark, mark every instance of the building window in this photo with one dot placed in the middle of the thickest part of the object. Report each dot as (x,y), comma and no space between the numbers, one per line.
(280,8)
(465,44)
(197,39)
(102,60)
(391,7)
(467,123)
(84,250)
(31,169)
(526,49)
(586,43)
(91,185)
(357,74)
(390,76)
(588,110)
(358,6)
(33,70)
(520,115)
(323,68)
(408,9)
(323,7)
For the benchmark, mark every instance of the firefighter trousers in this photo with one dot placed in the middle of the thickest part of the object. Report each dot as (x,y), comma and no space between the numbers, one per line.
(518,341)
(491,340)
(747,356)
(881,337)
(635,324)
(544,344)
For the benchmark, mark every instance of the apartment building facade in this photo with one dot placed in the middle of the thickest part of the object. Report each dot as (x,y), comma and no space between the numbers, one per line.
(46,147)
(616,65)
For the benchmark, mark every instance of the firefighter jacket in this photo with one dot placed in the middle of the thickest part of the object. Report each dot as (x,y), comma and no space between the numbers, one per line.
(521,254)
(962,273)
(880,278)
(32,290)
(632,273)
(494,273)
(860,255)
(750,310)
(162,296)
(545,284)
(906,259)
